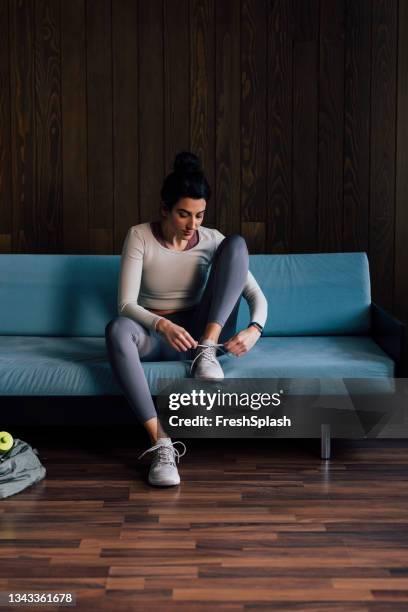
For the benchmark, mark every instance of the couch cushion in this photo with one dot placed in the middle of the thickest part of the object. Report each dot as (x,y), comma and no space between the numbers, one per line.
(79,366)
(57,295)
(313,293)
(321,356)
(31,365)
(76,295)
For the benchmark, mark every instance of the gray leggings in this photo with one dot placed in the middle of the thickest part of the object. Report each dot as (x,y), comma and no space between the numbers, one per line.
(128,342)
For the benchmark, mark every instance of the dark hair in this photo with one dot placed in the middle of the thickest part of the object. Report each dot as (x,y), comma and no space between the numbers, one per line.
(186,181)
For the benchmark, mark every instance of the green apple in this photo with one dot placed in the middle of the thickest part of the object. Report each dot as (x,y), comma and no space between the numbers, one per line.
(6,441)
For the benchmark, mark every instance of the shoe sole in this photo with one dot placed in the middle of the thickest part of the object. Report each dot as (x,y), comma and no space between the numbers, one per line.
(163,484)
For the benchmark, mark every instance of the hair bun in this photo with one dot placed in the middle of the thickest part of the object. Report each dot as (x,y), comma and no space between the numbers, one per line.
(186,163)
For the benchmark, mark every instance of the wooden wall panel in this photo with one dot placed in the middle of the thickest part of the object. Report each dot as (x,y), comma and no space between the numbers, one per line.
(227,120)
(254,56)
(48,131)
(331,126)
(382,150)
(305,126)
(125,118)
(279,126)
(100,149)
(254,234)
(23,153)
(151,107)
(176,58)
(6,210)
(357,125)
(74,127)
(401,219)
(202,93)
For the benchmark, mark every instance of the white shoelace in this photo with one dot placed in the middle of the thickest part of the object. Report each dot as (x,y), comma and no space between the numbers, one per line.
(166,453)
(208,352)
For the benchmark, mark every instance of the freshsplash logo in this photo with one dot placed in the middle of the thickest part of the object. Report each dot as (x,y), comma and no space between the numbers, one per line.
(207,401)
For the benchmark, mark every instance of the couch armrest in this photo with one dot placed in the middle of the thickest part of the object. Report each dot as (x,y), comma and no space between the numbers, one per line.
(388,332)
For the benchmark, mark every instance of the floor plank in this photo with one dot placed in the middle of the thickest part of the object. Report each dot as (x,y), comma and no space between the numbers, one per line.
(255,525)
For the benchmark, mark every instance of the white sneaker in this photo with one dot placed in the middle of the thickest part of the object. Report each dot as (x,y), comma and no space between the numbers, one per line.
(205,363)
(163,470)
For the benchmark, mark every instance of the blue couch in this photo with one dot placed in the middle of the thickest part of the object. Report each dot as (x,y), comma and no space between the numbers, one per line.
(321,323)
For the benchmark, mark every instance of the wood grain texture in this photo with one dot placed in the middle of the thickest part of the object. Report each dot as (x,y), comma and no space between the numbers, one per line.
(383,134)
(251,526)
(176,57)
(254,234)
(227,100)
(48,128)
(357,125)
(151,108)
(202,83)
(253,110)
(23,150)
(5,243)
(6,205)
(125,118)
(74,127)
(279,127)
(305,126)
(331,126)
(100,150)
(401,221)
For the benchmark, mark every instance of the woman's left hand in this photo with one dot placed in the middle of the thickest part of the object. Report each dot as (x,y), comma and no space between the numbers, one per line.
(243,341)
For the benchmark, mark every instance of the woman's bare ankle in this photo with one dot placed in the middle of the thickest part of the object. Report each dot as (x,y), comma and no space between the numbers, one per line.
(212,332)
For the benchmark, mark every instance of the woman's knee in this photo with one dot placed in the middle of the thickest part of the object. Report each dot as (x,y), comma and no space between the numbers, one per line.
(113,327)
(235,243)
(121,328)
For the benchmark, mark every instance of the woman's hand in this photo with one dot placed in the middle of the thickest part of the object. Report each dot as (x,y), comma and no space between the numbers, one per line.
(176,336)
(243,341)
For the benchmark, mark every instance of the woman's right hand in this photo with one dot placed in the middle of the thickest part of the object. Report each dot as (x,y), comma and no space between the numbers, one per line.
(176,336)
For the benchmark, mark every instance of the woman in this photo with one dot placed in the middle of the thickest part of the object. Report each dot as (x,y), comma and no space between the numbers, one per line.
(167,306)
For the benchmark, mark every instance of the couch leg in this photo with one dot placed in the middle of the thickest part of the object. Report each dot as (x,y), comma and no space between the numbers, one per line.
(325,441)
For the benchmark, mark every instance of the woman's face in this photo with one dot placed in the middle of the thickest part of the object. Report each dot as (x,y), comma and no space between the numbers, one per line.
(185,217)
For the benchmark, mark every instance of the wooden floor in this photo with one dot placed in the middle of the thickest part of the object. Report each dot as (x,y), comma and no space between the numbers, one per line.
(255,525)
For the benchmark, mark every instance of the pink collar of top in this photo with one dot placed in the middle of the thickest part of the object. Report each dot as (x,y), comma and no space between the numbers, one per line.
(157,233)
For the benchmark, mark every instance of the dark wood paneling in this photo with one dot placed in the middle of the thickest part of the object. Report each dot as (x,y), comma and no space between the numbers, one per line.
(227,120)
(254,233)
(202,50)
(125,118)
(253,112)
(382,151)
(401,215)
(23,151)
(48,129)
(6,221)
(74,126)
(100,150)
(331,127)
(151,107)
(305,126)
(176,57)
(357,125)
(279,127)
